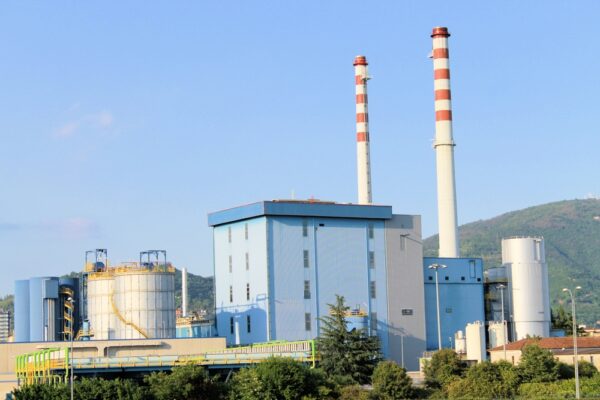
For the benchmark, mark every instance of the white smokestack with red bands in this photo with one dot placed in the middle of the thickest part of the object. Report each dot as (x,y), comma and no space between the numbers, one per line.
(362,131)
(444,147)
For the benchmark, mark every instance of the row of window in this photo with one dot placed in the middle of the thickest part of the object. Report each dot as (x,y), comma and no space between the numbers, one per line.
(447,278)
(229,233)
(247,263)
(231,292)
(370,229)
(307,323)
(232,325)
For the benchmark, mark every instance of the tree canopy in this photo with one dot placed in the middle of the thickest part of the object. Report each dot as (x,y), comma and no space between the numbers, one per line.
(346,353)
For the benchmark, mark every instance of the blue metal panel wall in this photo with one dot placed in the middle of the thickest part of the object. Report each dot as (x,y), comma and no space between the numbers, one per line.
(288,275)
(338,252)
(461,297)
(238,280)
(22,311)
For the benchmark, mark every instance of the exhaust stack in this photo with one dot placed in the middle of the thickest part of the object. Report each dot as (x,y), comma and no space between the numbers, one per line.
(444,147)
(362,131)
(184,293)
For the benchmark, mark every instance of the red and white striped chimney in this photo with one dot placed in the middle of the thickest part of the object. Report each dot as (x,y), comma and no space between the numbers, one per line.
(362,131)
(444,147)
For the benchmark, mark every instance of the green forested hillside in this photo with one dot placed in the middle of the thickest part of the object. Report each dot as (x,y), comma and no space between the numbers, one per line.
(571,230)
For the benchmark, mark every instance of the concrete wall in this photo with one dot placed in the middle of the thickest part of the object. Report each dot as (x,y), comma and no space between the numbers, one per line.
(461,297)
(104,348)
(406,299)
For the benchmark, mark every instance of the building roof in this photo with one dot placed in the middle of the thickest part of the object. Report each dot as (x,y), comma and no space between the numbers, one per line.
(299,208)
(554,343)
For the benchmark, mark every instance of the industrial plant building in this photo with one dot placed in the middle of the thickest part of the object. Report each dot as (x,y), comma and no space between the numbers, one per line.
(279,264)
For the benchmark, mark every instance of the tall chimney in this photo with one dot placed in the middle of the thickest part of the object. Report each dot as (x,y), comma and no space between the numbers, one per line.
(362,131)
(184,293)
(444,147)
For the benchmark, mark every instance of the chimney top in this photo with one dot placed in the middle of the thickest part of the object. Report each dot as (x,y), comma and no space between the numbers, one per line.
(360,60)
(440,31)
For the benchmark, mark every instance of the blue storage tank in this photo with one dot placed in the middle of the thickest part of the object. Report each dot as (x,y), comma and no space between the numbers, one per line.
(21,311)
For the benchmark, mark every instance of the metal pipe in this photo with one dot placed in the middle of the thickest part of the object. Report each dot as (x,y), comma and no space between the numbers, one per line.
(502,287)
(184,293)
(444,147)
(575,355)
(362,131)
(437,296)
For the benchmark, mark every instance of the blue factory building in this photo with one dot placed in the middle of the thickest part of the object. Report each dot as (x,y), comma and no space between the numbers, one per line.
(44,309)
(278,264)
(461,297)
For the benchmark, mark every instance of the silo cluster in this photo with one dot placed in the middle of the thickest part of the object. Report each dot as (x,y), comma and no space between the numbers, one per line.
(132,301)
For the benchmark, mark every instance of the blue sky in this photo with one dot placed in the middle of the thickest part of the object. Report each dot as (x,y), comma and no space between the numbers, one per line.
(124,123)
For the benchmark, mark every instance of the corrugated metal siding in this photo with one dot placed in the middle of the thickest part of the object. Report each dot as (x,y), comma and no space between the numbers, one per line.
(461,302)
(256,247)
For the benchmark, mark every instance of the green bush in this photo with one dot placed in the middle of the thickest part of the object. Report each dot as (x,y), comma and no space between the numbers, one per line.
(278,379)
(537,365)
(354,392)
(187,382)
(444,367)
(390,381)
(485,380)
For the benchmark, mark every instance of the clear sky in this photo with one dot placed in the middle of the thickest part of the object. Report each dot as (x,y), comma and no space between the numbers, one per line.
(123,124)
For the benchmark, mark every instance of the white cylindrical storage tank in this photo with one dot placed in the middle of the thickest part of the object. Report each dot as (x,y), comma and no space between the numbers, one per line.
(460,342)
(145,302)
(496,334)
(525,261)
(475,333)
(103,322)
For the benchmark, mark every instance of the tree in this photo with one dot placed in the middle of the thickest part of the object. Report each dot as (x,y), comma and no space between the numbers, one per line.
(187,382)
(347,353)
(537,365)
(563,319)
(485,380)
(278,379)
(444,367)
(390,381)
(39,391)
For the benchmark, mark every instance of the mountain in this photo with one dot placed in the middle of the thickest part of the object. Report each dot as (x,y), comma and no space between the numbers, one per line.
(571,230)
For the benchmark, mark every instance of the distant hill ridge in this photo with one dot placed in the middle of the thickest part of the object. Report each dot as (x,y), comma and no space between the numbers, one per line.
(571,230)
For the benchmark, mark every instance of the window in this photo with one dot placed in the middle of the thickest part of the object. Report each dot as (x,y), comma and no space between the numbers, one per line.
(229,234)
(407,311)
(230,264)
(402,242)
(472,268)
(304,228)
(231,325)
(231,294)
(248,326)
(246,231)
(462,278)
(371,230)
(247,291)
(307,321)
(307,289)
(446,278)
(372,289)
(371,259)
(449,310)
(373,323)
(306,259)
(430,278)
(247,262)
